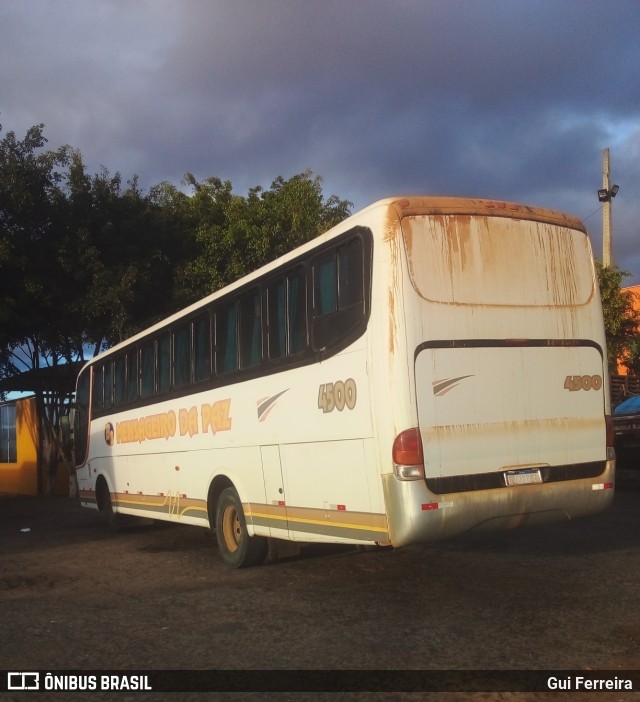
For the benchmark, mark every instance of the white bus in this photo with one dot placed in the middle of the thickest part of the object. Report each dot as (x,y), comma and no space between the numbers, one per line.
(428,367)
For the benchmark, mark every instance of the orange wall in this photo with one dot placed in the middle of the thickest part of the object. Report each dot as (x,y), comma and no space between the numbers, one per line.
(21,478)
(635,297)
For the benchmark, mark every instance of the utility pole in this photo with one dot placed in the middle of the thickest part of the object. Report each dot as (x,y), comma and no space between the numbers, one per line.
(605,195)
(606,211)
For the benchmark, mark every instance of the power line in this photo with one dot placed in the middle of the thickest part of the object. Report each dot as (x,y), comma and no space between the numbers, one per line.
(584,219)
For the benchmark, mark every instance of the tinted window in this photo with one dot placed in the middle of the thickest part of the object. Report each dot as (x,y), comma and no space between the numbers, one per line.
(276,315)
(325,289)
(119,379)
(164,363)
(81,419)
(297,311)
(147,366)
(201,348)
(338,295)
(250,330)
(132,375)
(96,395)
(350,288)
(182,356)
(108,386)
(226,339)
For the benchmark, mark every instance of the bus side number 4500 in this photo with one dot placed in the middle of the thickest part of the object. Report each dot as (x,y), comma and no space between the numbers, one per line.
(337,395)
(583,382)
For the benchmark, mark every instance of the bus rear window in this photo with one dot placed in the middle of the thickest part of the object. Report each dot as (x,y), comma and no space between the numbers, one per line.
(480,260)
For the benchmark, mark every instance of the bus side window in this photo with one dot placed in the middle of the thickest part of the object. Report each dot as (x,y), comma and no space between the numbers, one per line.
(202,348)
(250,329)
(147,368)
(287,315)
(182,356)
(132,375)
(81,419)
(297,311)
(338,294)
(350,280)
(276,319)
(108,385)
(325,289)
(164,362)
(119,380)
(226,339)
(97,392)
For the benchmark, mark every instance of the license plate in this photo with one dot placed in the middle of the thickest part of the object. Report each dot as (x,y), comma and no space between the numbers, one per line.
(530,476)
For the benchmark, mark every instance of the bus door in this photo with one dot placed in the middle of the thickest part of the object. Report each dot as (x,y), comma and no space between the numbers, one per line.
(327,492)
(275,507)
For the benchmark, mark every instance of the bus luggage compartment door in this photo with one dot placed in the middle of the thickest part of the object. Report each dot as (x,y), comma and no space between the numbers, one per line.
(509,408)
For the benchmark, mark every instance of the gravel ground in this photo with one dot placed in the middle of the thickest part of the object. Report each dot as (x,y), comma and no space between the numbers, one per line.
(74,596)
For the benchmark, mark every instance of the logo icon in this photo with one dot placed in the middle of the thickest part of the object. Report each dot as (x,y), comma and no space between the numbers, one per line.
(442,387)
(23,681)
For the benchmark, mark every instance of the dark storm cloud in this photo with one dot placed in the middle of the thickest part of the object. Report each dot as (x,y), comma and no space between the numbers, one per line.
(499,98)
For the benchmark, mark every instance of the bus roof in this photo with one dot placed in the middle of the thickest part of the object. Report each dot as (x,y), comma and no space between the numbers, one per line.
(412,205)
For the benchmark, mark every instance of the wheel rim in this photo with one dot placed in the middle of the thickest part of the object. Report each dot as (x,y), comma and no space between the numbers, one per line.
(231,528)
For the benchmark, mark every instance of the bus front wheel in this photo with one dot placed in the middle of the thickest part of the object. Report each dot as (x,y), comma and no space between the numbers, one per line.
(237,548)
(106,507)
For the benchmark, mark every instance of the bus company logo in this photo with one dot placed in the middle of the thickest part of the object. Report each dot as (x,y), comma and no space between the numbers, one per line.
(208,418)
(23,681)
(266,404)
(442,387)
(109,433)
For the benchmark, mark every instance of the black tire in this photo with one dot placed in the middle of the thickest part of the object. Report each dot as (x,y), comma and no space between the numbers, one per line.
(111,517)
(237,548)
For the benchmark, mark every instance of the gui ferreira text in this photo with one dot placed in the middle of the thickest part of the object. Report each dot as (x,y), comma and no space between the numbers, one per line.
(583,683)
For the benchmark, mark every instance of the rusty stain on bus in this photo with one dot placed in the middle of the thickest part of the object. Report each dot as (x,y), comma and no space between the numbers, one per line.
(557,282)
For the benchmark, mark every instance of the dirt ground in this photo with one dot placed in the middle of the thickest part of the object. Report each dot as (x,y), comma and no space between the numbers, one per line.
(74,596)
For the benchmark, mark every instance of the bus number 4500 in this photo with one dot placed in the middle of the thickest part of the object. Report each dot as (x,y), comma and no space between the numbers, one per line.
(583,382)
(337,395)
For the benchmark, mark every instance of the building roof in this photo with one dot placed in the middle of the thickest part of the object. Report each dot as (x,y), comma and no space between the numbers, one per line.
(60,378)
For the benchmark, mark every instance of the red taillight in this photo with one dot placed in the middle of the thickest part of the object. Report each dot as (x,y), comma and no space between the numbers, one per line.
(407,448)
(611,435)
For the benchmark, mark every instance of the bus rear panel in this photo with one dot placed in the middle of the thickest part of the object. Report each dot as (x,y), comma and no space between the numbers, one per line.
(505,338)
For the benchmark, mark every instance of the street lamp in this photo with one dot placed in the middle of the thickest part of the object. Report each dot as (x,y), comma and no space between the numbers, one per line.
(605,194)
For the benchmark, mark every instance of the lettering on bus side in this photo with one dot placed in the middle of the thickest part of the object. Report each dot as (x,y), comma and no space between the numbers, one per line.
(337,395)
(216,417)
(211,418)
(583,382)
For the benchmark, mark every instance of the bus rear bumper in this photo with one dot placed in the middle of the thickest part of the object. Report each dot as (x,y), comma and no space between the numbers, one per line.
(417,515)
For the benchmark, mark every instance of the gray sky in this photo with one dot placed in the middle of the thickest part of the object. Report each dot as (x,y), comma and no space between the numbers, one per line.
(508,99)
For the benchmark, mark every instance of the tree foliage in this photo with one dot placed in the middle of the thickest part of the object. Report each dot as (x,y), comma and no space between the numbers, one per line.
(621,319)
(236,234)
(87,260)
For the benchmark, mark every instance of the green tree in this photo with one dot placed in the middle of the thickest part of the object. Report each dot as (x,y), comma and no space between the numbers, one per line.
(621,319)
(237,234)
(34,324)
(31,292)
(120,250)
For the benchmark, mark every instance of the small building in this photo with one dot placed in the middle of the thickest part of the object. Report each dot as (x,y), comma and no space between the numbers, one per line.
(25,468)
(21,467)
(19,447)
(623,385)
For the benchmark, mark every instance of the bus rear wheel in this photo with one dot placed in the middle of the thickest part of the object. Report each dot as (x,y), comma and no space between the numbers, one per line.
(237,548)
